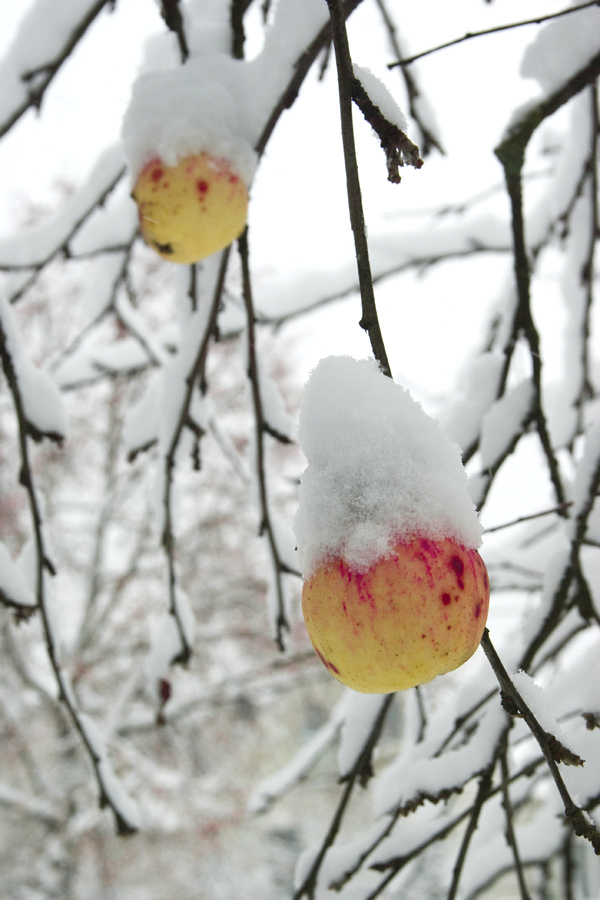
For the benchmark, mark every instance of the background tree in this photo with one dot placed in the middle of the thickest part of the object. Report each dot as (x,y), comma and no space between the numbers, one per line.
(155,669)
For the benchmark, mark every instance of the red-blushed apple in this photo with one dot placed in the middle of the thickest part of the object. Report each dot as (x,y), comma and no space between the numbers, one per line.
(190,210)
(415,614)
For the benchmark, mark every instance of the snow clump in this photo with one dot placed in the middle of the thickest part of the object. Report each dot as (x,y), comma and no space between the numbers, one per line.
(380,470)
(185,111)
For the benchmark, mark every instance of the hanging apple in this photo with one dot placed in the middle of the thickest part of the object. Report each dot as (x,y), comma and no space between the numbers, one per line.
(395,591)
(415,614)
(192,209)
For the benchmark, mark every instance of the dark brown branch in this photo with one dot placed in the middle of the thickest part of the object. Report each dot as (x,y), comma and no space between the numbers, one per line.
(370,320)
(474,34)
(398,148)
(429,139)
(300,69)
(237,11)
(171,13)
(576,816)
(483,793)
(361,772)
(44,566)
(194,376)
(266,525)
(511,837)
(546,512)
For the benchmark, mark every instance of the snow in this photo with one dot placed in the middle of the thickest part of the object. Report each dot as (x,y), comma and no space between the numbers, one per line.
(563,47)
(503,423)
(416,772)
(587,472)
(391,251)
(141,425)
(13,586)
(35,48)
(274,410)
(272,787)
(359,719)
(535,698)
(166,645)
(381,96)
(215,103)
(379,470)
(100,286)
(188,110)
(39,393)
(477,391)
(38,244)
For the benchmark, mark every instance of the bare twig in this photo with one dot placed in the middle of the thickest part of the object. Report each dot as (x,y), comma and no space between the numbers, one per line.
(44,567)
(266,525)
(473,34)
(171,13)
(361,772)
(510,830)
(193,377)
(370,320)
(581,824)
(429,139)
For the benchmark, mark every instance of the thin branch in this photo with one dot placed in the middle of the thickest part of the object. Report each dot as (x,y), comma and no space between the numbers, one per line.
(171,13)
(370,320)
(510,830)
(474,34)
(580,822)
(398,148)
(546,512)
(361,772)
(43,567)
(44,74)
(194,375)
(266,525)
(429,139)
(483,793)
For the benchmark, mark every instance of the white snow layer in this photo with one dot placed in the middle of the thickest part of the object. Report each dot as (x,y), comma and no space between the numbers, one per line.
(379,470)
(215,103)
(503,422)
(188,110)
(39,394)
(381,97)
(13,586)
(36,48)
(562,48)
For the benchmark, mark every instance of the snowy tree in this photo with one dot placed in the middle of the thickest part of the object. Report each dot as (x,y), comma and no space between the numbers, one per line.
(166,727)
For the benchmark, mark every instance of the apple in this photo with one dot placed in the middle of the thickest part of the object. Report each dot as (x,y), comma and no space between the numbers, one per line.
(415,614)
(192,209)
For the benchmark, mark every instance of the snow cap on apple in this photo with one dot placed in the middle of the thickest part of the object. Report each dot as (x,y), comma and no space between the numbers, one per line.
(190,160)
(395,591)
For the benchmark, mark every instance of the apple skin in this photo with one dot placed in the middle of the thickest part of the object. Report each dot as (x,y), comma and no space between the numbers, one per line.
(415,614)
(190,210)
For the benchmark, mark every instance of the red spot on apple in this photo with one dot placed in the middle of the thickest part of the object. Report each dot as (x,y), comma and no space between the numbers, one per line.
(446,599)
(328,665)
(157,174)
(458,565)
(478,610)
(202,186)
(485,580)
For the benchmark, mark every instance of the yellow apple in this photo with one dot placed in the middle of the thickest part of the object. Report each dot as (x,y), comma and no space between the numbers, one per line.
(192,209)
(415,614)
